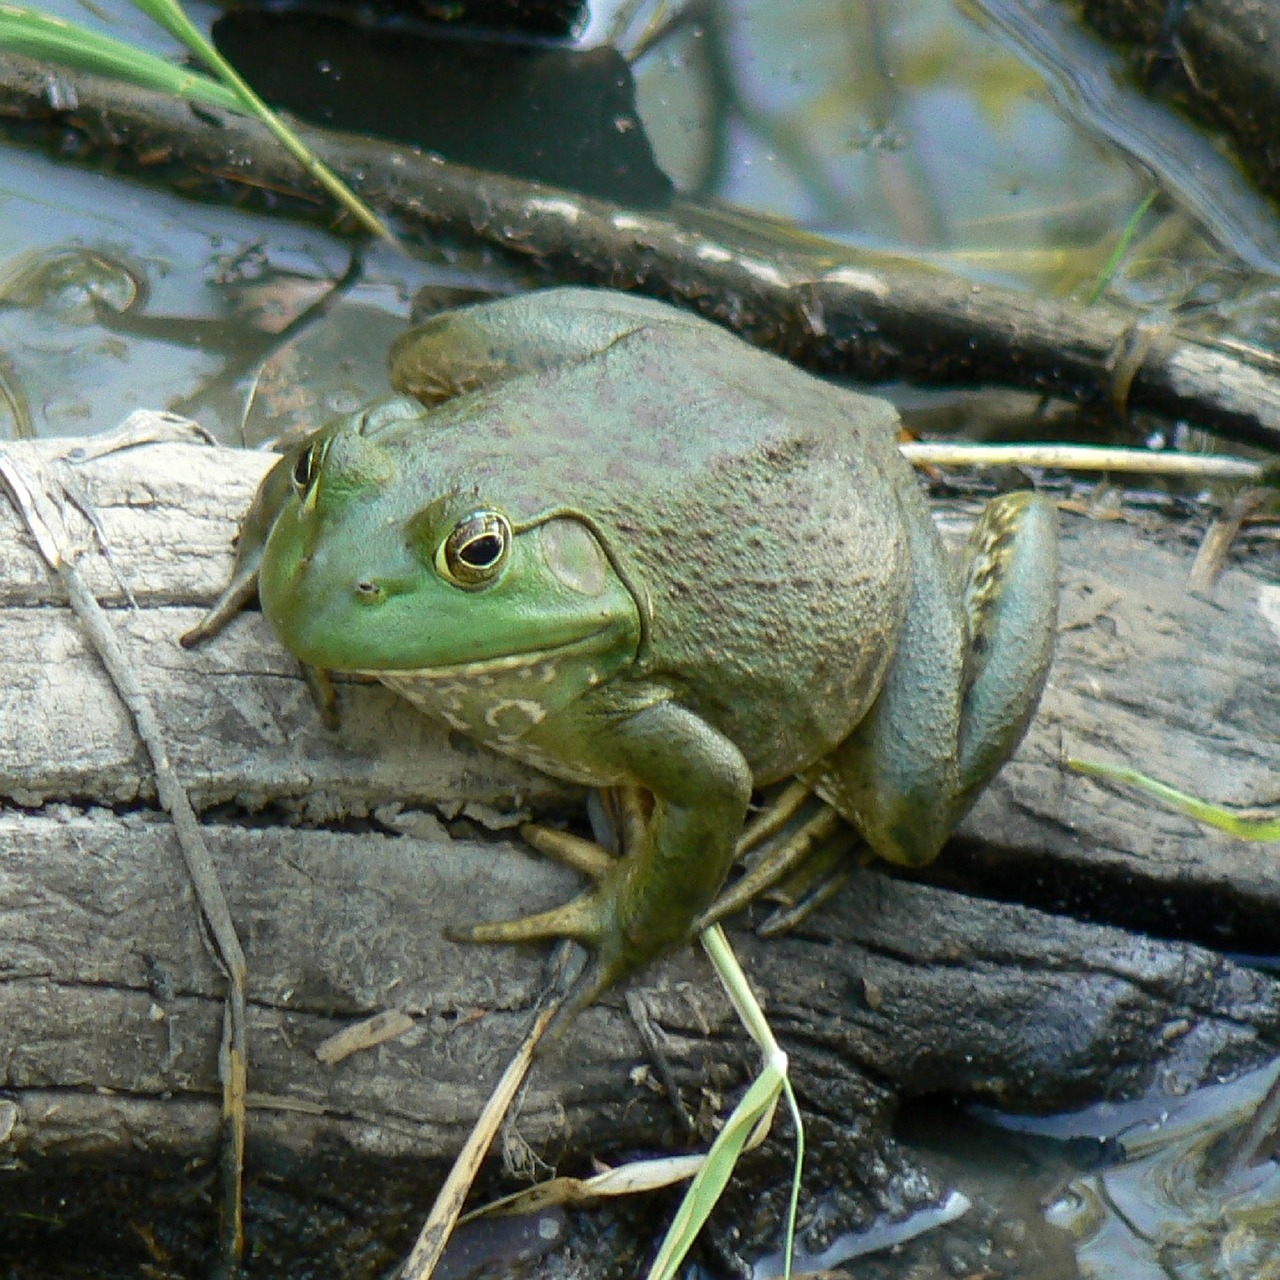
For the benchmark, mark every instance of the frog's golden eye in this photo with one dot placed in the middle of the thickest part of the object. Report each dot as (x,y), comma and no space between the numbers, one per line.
(306,470)
(474,553)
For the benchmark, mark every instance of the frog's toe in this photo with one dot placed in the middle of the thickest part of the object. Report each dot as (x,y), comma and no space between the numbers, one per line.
(591,920)
(237,595)
(579,920)
(573,851)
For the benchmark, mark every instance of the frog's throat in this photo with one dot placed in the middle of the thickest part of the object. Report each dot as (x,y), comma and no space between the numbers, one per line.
(511,663)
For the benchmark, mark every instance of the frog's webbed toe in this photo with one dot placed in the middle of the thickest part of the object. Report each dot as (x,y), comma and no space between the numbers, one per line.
(798,850)
(781,839)
(580,919)
(235,597)
(621,819)
(585,856)
(590,919)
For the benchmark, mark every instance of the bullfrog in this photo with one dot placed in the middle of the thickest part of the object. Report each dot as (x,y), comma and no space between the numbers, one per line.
(618,543)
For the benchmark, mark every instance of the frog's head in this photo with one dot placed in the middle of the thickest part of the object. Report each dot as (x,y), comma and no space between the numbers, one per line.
(381,560)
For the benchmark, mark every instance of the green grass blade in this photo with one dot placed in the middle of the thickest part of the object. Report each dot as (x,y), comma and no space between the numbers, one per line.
(714,1176)
(171,16)
(37,35)
(1122,245)
(797,1178)
(753,1109)
(1245,826)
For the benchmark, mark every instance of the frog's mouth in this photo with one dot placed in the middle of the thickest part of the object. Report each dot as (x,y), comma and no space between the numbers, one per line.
(539,665)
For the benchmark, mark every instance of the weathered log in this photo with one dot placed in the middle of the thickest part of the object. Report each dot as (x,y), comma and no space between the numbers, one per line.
(346,854)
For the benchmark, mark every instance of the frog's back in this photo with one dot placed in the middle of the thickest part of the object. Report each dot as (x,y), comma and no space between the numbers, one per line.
(757,507)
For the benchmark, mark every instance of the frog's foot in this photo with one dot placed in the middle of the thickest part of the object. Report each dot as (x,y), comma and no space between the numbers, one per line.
(778,859)
(590,919)
(821,877)
(780,808)
(796,847)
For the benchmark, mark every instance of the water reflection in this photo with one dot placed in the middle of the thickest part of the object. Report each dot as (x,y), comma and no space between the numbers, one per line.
(73,283)
(890,125)
(1168,1208)
(114,297)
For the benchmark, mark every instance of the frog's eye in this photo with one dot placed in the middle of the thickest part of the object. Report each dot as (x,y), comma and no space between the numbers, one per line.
(474,553)
(306,470)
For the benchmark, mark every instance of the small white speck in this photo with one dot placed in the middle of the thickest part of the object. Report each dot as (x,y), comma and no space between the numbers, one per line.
(1269,606)
(565,209)
(867,281)
(765,271)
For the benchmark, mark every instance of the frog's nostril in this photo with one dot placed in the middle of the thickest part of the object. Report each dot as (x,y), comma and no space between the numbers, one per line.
(380,589)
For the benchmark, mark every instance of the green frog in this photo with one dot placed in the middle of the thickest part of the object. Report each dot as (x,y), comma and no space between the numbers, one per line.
(618,543)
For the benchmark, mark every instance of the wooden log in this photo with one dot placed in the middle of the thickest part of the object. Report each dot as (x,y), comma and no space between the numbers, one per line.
(346,855)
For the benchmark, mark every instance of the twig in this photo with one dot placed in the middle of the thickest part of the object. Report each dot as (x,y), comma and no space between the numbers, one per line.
(171,15)
(1256,1141)
(1084,457)
(29,495)
(1220,535)
(436,1230)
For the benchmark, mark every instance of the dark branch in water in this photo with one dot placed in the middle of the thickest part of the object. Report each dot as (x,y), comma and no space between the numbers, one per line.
(818,302)
(1215,58)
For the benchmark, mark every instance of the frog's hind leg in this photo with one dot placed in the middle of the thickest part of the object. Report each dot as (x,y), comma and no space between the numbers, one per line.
(1011,603)
(965,679)
(491,342)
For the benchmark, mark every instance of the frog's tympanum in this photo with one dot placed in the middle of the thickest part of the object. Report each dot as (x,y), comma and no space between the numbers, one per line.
(625,547)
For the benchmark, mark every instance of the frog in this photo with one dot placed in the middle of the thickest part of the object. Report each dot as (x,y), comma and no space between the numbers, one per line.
(615,541)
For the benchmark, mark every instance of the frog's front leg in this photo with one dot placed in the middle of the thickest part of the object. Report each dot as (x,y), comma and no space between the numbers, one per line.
(251,540)
(647,901)
(966,677)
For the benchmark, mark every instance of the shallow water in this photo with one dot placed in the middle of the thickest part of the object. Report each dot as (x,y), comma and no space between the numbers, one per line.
(893,126)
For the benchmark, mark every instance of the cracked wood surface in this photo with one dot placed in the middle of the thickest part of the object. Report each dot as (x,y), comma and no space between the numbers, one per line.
(110,1007)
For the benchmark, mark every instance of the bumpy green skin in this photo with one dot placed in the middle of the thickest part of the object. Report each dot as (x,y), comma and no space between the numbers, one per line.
(720,573)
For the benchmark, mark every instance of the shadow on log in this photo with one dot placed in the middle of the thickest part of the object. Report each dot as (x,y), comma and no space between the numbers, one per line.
(345,855)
